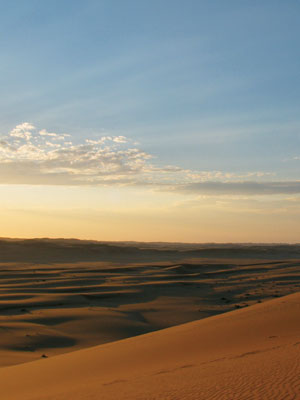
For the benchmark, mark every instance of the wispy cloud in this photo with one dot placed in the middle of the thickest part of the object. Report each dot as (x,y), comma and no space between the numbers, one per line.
(29,155)
(280,205)
(240,188)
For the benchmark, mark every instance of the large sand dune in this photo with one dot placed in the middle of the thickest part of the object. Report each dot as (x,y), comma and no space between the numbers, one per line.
(251,353)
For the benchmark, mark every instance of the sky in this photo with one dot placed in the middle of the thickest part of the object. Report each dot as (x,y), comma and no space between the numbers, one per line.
(150,121)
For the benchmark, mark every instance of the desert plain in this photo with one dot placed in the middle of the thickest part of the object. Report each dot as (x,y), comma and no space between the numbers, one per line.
(97,320)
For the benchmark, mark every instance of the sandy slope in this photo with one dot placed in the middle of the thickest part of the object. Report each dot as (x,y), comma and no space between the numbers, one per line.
(56,308)
(251,353)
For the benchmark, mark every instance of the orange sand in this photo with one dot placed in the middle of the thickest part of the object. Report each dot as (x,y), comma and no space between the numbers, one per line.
(250,353)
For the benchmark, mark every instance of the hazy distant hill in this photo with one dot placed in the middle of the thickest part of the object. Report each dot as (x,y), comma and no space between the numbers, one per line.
(64,250)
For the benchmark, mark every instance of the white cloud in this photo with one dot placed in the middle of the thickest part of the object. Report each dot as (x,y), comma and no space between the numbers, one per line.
(23,131)
(32,156)
(43,132)
(28,155)
(119,139)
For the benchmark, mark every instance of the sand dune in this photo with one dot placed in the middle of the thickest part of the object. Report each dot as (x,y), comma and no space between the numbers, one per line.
(252,353)
(89,320)
(54,307)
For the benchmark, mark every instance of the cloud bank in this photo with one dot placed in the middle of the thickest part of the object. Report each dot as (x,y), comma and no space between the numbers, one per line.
(35,156)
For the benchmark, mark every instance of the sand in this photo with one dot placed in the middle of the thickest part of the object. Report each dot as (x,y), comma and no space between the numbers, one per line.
(252,353)
(87,320)
(50,309)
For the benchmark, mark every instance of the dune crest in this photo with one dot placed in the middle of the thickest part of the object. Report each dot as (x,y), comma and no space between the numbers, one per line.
(251,353)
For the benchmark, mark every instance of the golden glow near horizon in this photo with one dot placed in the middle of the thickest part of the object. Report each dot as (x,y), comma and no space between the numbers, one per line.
(145,215)
(110,189)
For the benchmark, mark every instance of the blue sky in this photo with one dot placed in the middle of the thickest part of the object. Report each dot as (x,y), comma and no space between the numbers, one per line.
(202,86)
